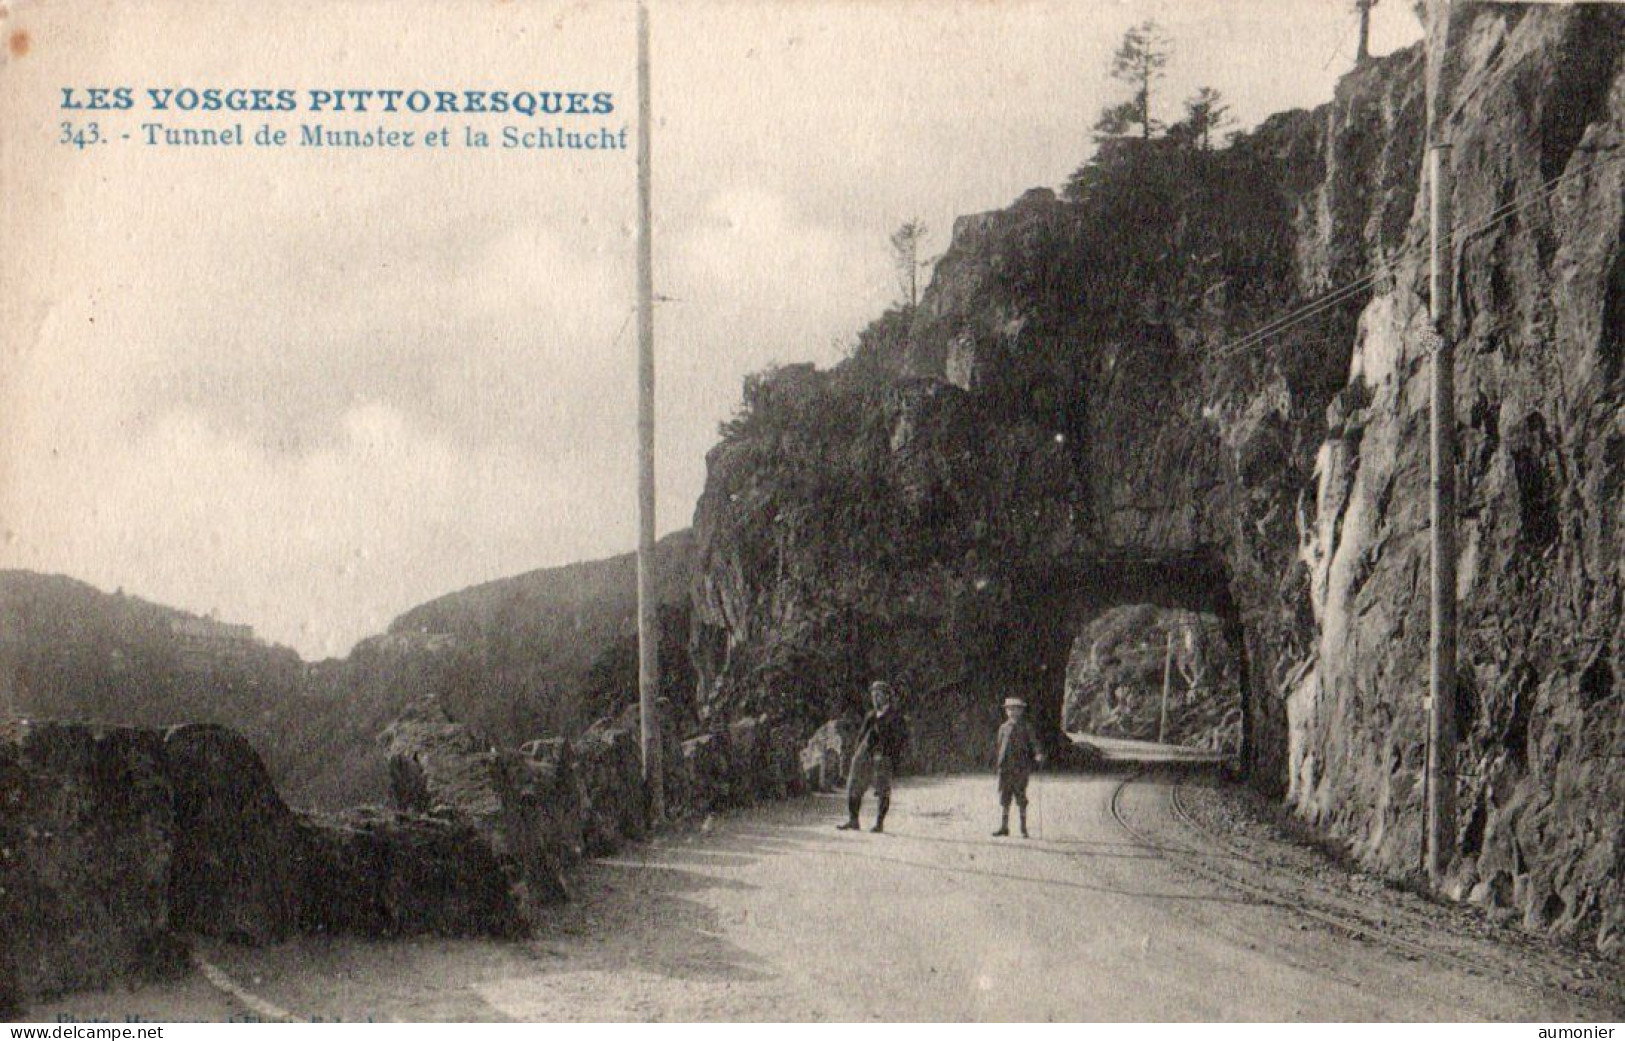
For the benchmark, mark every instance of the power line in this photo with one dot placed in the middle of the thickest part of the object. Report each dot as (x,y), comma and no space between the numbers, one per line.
(1333,297)
(1320,304)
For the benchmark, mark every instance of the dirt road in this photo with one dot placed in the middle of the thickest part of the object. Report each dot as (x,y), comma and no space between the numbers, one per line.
(772,914)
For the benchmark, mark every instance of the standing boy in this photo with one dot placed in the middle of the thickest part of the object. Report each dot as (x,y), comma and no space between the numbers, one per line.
(880,749)
(1018,751)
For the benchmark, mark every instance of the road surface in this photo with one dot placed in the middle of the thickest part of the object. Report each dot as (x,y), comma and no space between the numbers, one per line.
(772,914)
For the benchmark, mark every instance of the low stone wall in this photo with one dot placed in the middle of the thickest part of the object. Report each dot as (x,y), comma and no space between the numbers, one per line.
(116,842)
(86,838)
(378,872)
(235,850)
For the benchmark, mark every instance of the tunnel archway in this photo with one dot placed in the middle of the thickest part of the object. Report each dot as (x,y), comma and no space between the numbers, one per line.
(1145,674)
(1028,638)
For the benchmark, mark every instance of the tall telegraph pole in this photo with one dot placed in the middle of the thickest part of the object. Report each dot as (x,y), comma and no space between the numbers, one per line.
(1441,766)
(648,605)
(1167,682)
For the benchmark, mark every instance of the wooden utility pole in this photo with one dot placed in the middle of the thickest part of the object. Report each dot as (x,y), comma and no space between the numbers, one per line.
(1167,681)
(654,779)
(1363,53)
(1441,765)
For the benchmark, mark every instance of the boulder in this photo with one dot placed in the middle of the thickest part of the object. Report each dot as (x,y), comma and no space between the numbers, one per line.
(441,766)
(610,769)
(437,762)
(234,872)
(374,872)
(85,834)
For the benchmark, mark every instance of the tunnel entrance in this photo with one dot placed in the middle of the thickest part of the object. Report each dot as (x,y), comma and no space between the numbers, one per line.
(1146,673)
(1029,646)
(1016,638)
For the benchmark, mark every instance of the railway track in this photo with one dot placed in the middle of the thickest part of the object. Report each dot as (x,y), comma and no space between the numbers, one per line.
(1328,909)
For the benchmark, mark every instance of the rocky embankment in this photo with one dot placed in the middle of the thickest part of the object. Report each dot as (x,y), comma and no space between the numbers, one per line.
(1075,418)
(1123,662)
(117,843)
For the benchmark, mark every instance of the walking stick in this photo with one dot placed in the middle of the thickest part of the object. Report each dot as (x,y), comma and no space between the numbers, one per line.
(1038,803)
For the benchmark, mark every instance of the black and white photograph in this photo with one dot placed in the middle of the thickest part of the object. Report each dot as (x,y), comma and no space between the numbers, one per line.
(812,511)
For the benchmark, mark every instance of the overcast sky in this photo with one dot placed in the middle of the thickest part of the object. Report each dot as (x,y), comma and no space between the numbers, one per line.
(311,389)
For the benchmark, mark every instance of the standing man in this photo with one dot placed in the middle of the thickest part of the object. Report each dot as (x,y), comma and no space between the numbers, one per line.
(1018,751)
(880,749)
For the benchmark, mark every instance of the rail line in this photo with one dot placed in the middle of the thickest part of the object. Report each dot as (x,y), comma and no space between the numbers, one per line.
(1339,915)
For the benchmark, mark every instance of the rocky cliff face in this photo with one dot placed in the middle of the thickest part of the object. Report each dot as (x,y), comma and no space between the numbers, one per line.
(1528,98)
(1052,434)
(1074,419)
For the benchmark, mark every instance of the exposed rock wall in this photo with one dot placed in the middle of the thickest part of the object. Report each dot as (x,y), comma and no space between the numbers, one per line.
(1528,97)
(1073,419)
(1125,662)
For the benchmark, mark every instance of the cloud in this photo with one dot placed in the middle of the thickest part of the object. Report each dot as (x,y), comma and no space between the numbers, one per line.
(318,549)
(312,389)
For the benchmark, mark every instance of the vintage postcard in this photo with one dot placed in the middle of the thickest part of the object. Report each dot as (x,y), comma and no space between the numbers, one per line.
(823,510)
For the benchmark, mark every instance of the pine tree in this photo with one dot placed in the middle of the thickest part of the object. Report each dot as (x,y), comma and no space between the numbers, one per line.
(1139,62)
(905,246)
(1205,115)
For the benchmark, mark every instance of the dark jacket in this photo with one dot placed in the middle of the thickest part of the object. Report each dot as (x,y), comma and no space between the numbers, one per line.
(883,734)
(1018,748)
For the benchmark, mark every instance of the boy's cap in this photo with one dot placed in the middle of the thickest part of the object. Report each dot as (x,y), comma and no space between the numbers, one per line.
(1014,703)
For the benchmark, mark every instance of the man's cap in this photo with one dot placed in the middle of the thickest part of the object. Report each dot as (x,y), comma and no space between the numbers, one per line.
(1014,703)
(880,685)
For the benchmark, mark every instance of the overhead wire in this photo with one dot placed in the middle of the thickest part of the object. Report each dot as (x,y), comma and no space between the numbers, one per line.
(1341,294)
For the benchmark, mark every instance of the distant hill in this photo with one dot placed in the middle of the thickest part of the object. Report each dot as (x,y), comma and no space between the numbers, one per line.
(68,650)
(552,650)
(548,652)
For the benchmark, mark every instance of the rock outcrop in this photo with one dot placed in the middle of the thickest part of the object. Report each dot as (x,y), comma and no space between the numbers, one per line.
(1076,417)
(440,766)
(88,846)
(116,843)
